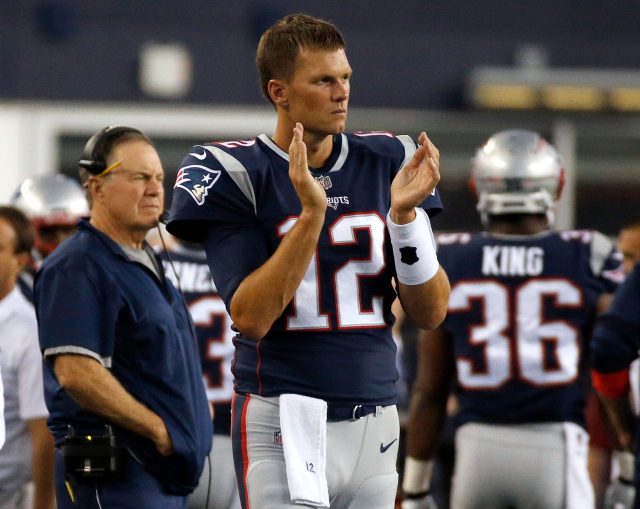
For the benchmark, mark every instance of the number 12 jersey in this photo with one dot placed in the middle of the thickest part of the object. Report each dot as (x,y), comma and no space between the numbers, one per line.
(333,341)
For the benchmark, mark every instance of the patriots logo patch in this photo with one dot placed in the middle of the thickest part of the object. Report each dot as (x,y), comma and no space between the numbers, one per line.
(409,255)
(197,180)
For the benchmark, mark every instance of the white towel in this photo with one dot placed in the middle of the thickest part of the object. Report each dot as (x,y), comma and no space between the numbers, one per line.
(303,422)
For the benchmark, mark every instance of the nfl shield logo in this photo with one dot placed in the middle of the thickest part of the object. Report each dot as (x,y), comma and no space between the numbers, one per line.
(277,437)
(325,181)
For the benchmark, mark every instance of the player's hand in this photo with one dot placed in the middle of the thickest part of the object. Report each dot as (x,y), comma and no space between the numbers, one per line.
(415,181)
(425,502)
(620,494)
(312,196)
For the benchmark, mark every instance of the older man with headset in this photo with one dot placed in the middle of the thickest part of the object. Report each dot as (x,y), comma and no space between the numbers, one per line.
(123,382)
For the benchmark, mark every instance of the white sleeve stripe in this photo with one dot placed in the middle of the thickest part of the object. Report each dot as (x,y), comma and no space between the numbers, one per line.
(409,148)
(237,172)
(105,361)
(344,152)
(601,248)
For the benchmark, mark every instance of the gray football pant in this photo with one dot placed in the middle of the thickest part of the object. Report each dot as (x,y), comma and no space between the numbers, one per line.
(520,466)
(219,482)
(361,460)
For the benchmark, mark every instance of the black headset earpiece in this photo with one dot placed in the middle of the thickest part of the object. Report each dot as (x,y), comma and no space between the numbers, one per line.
(93,155)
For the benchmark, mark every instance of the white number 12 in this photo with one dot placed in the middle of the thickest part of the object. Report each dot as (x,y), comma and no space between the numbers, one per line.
(346,279)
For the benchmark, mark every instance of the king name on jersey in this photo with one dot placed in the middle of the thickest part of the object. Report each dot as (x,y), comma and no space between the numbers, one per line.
(193,277)
(512,260)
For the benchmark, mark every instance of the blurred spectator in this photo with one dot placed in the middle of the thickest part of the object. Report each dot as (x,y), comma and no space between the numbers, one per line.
(26,459)
(614,354)
(602,443)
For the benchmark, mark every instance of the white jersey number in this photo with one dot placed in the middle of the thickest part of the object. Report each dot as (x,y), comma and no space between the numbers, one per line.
(350,314)
(210,316)
(526,354)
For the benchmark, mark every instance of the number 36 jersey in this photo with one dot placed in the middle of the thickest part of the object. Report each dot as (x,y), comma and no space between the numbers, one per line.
(519,313)
(333,341)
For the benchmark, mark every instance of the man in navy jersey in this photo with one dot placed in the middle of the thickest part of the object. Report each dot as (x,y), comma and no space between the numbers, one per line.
(305,232)
(186,266)
(616,342)
(127,406)
(512,345)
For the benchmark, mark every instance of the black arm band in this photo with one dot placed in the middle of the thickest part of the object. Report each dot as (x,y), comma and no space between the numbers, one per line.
(413,496)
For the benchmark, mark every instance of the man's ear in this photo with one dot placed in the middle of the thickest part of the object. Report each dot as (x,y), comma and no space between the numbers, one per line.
(24,260)
(94,186)
(278,92)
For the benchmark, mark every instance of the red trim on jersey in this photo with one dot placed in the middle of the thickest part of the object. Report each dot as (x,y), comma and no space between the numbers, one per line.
(245,452)
(612,385)
(258,366)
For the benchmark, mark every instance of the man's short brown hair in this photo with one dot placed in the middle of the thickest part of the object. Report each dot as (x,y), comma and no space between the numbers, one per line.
(104,150)
(22,227)
(280,44)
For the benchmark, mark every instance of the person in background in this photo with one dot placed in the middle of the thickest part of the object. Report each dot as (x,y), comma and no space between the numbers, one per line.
(522,300)
(26,459)
(186,266)
(305,233)
(54,203)
(614,354)
(603,436)
(629,245)
(123,383)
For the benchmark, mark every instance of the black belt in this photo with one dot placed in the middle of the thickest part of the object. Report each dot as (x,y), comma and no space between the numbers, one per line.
(351,413)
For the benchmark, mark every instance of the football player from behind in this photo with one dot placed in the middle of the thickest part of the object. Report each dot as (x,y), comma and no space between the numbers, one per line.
(54,203)
(513,344)
(186,266)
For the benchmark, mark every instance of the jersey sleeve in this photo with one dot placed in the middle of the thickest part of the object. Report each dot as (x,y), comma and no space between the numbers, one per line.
(29,375)
(233,252)
(88,305)
(206,191)
(616,337)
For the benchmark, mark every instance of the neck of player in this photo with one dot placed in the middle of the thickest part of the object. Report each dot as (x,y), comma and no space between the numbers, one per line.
(518,224)
(319,146)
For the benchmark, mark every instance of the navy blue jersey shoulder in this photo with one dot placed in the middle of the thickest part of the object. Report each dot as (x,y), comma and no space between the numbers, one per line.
(91,299)
(333,341)
(520,313)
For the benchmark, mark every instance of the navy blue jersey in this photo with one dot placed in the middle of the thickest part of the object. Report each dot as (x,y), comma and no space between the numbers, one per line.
(188,270)
(334,340)
(519,313)
(616,338)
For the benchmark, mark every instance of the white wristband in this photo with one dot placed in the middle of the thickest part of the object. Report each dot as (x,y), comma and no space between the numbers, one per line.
(414,249)
(417,475)
(626,464)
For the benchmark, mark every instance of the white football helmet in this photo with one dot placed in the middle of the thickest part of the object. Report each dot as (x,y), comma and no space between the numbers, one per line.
(51,202)
(517,172)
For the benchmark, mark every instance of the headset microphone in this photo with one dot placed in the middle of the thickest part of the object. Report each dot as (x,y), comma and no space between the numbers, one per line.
(164,217)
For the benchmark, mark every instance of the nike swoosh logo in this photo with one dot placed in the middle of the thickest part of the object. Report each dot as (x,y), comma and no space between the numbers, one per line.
(199,156)
(384,448)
